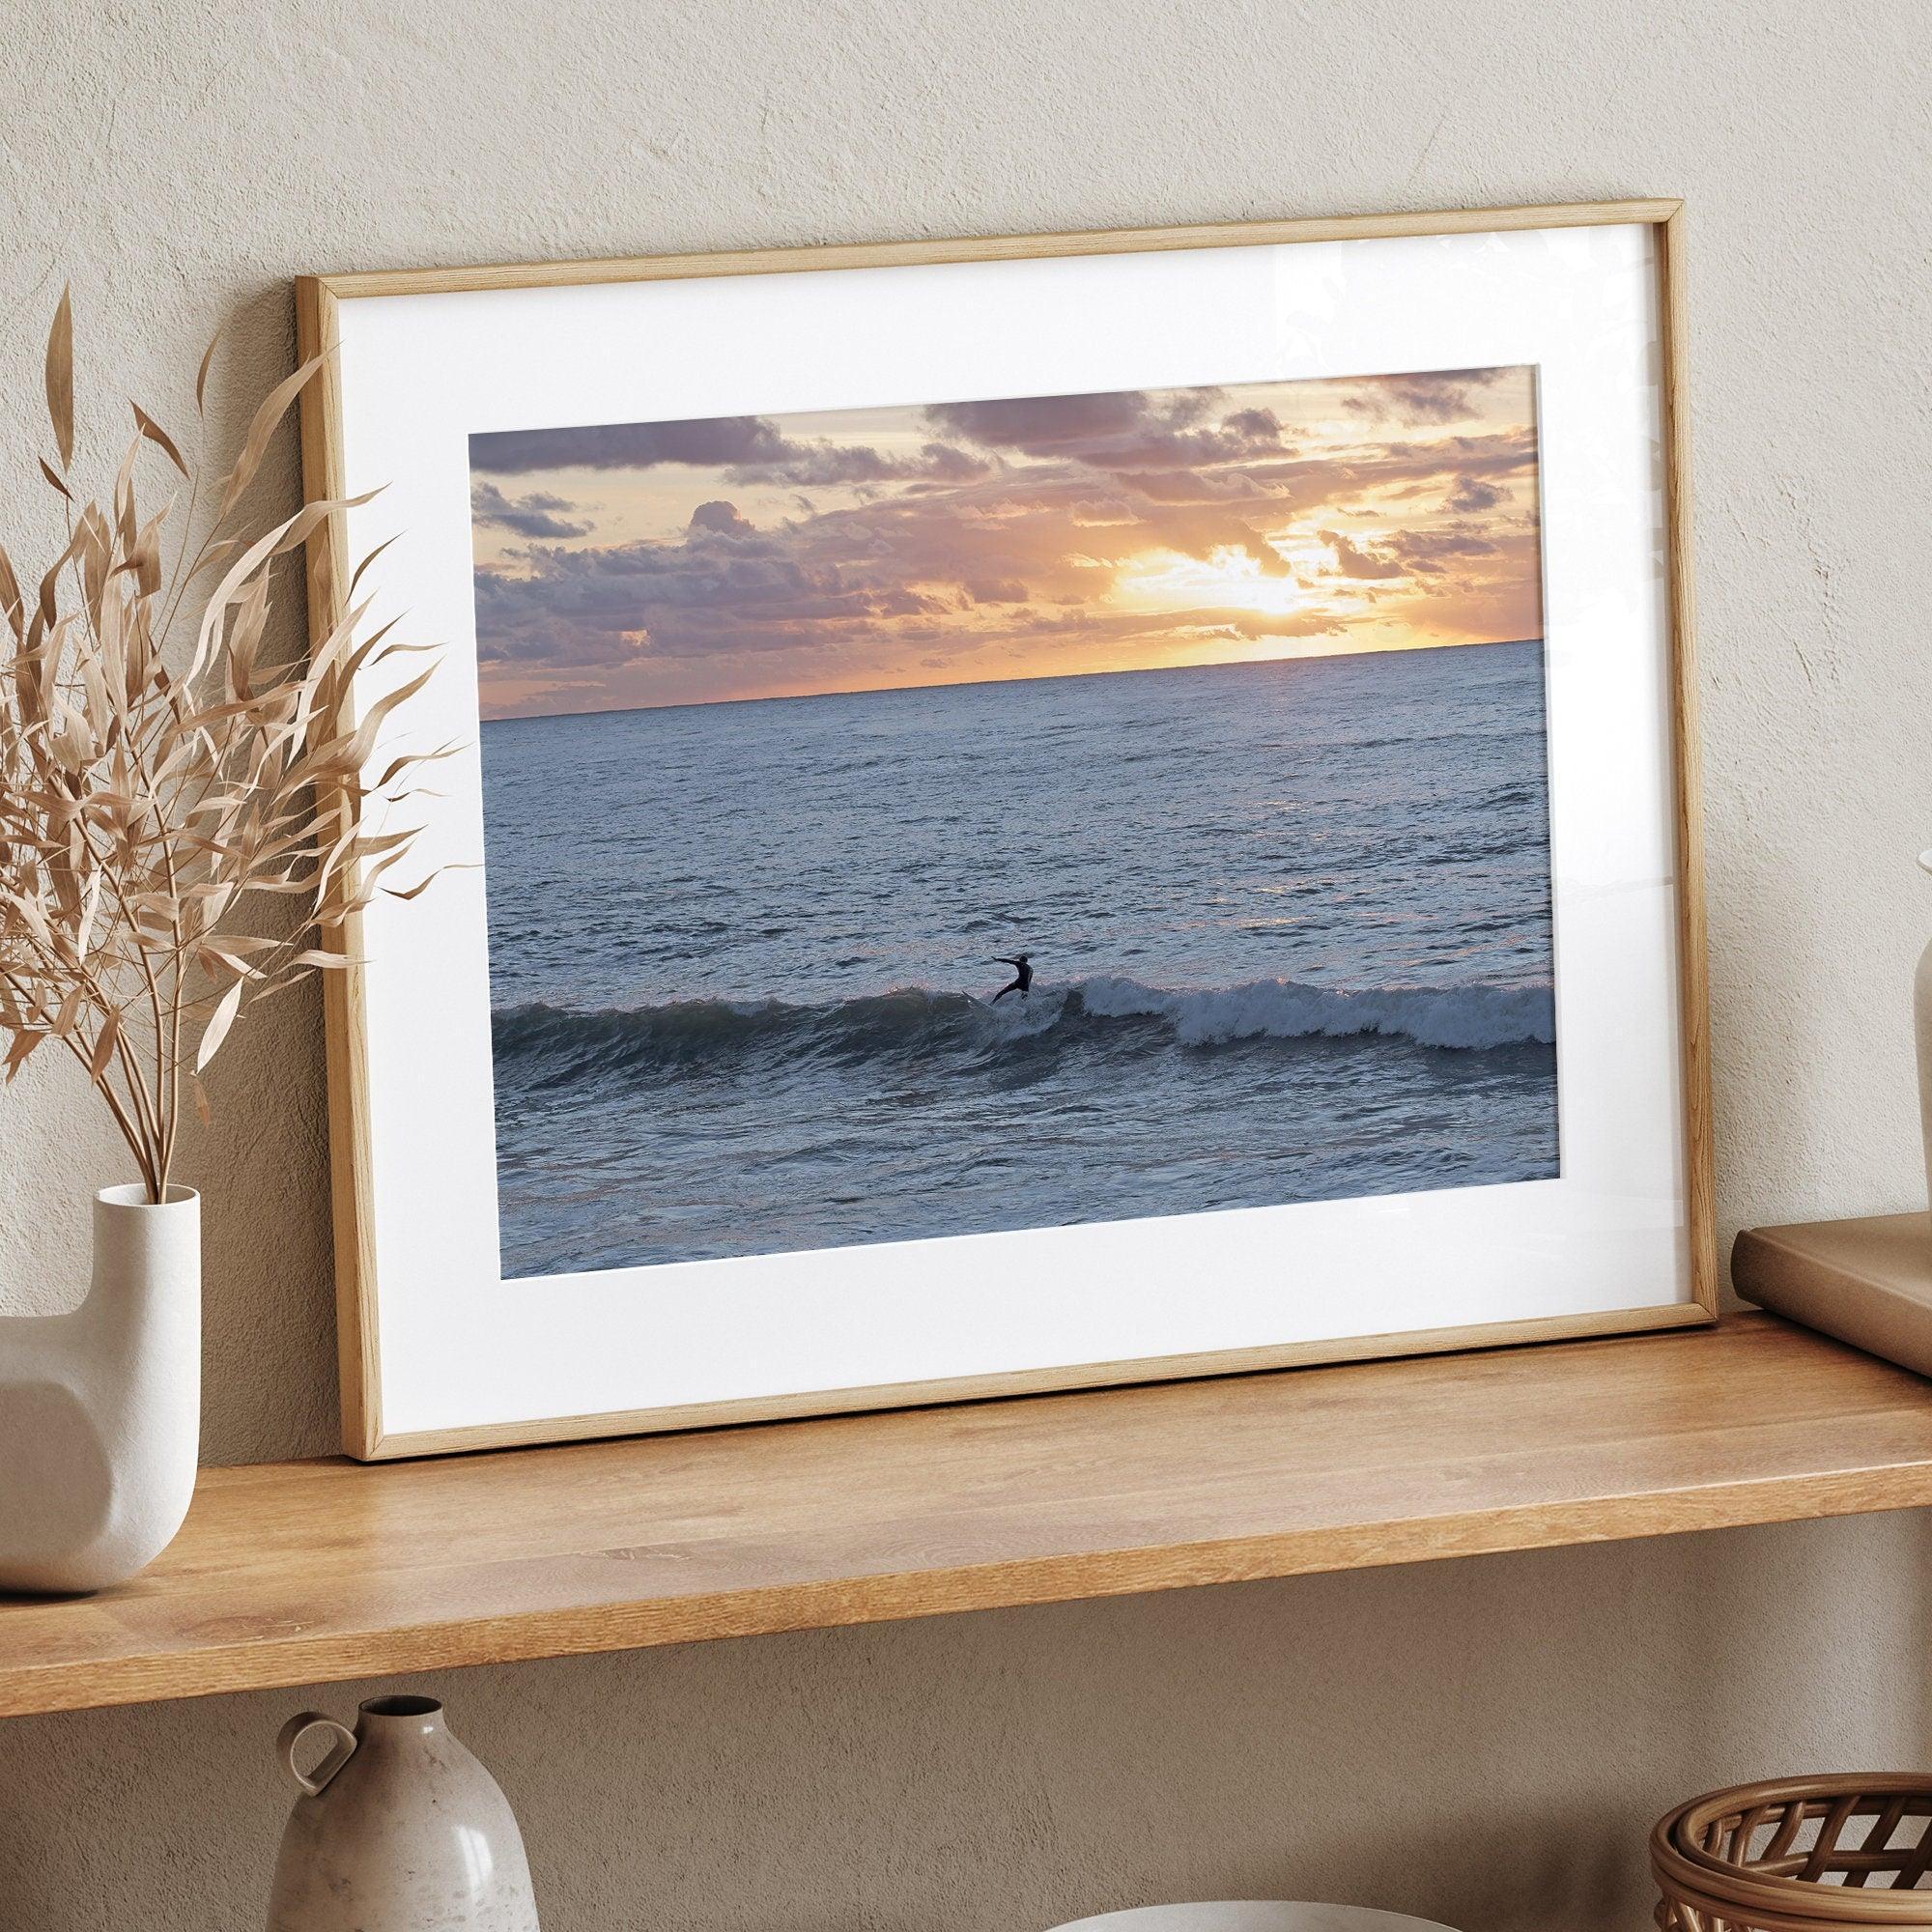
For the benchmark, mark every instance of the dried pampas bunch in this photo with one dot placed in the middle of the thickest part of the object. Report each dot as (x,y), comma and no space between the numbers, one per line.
(145,812)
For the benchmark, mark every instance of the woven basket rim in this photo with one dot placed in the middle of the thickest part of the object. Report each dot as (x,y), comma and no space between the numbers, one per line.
(1795,1903)
(1748,1917)
(1827,1788)
(1689,1875)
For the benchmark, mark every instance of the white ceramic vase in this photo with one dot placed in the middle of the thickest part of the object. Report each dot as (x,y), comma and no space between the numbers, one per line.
(101,1408)
(398,1830)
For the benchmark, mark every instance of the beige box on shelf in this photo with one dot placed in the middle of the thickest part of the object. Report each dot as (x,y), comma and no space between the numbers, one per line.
(1867,1281)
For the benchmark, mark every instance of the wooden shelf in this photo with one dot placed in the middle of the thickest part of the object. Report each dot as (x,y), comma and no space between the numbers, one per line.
(295,1573)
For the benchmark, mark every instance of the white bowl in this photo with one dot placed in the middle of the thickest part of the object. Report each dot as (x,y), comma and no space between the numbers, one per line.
(1252,1914)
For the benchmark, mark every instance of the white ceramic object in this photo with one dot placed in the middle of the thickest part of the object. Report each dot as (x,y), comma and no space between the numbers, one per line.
(1253,1914)
(101,1408)
(1921,1025)
(398,1830)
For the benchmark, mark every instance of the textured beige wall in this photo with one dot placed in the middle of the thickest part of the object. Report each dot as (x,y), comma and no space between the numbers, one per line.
(1479,1741)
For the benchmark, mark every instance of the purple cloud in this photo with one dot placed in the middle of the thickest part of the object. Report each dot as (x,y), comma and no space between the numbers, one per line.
(1352,560)
(1428,396)
(719,519)
(530,516)
(712,441)
(1472,494)
(1433,546)
(1042,425)
(750,449)
(1124,433)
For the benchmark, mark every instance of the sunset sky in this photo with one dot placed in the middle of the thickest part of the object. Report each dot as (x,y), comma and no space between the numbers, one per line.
(750,556)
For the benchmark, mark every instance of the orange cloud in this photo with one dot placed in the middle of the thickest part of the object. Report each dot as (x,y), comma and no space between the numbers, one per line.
(748,556)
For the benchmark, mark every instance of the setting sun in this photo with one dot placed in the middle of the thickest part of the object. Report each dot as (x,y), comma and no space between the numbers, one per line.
(1226,578)
(741,557)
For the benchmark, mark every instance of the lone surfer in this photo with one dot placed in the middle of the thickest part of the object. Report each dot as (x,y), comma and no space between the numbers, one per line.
(1022,975)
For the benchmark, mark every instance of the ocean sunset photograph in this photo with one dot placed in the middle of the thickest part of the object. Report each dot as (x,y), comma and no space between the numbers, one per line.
(957,818)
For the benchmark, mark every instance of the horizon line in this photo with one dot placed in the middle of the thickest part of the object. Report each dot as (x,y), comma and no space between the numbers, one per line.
(974,683)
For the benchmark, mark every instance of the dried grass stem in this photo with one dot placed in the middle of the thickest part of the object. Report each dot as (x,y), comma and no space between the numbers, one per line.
(145,812)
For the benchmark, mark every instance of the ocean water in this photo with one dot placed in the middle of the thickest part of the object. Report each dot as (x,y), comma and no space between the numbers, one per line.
(1289,923)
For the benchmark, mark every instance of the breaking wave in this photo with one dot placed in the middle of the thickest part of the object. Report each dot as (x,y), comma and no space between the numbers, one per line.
(546,1044)
(1448,1017)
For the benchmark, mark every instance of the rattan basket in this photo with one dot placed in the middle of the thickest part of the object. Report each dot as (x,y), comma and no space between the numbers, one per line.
(1798,1855)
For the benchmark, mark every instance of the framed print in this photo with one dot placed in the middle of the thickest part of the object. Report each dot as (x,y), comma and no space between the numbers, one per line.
(1025,813)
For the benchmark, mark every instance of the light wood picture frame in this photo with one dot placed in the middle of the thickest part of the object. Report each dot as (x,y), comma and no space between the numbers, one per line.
(373,328)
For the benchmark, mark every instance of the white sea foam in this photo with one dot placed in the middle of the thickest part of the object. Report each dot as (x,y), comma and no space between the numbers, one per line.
(1451,1016)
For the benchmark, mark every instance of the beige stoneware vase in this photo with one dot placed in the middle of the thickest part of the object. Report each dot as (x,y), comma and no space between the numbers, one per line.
(398,1830)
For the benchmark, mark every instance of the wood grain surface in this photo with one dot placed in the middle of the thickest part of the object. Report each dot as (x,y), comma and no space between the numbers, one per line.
(461,280)
(302,1571)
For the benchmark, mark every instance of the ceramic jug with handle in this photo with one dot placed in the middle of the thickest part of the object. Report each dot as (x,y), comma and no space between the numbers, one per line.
(398,1828)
